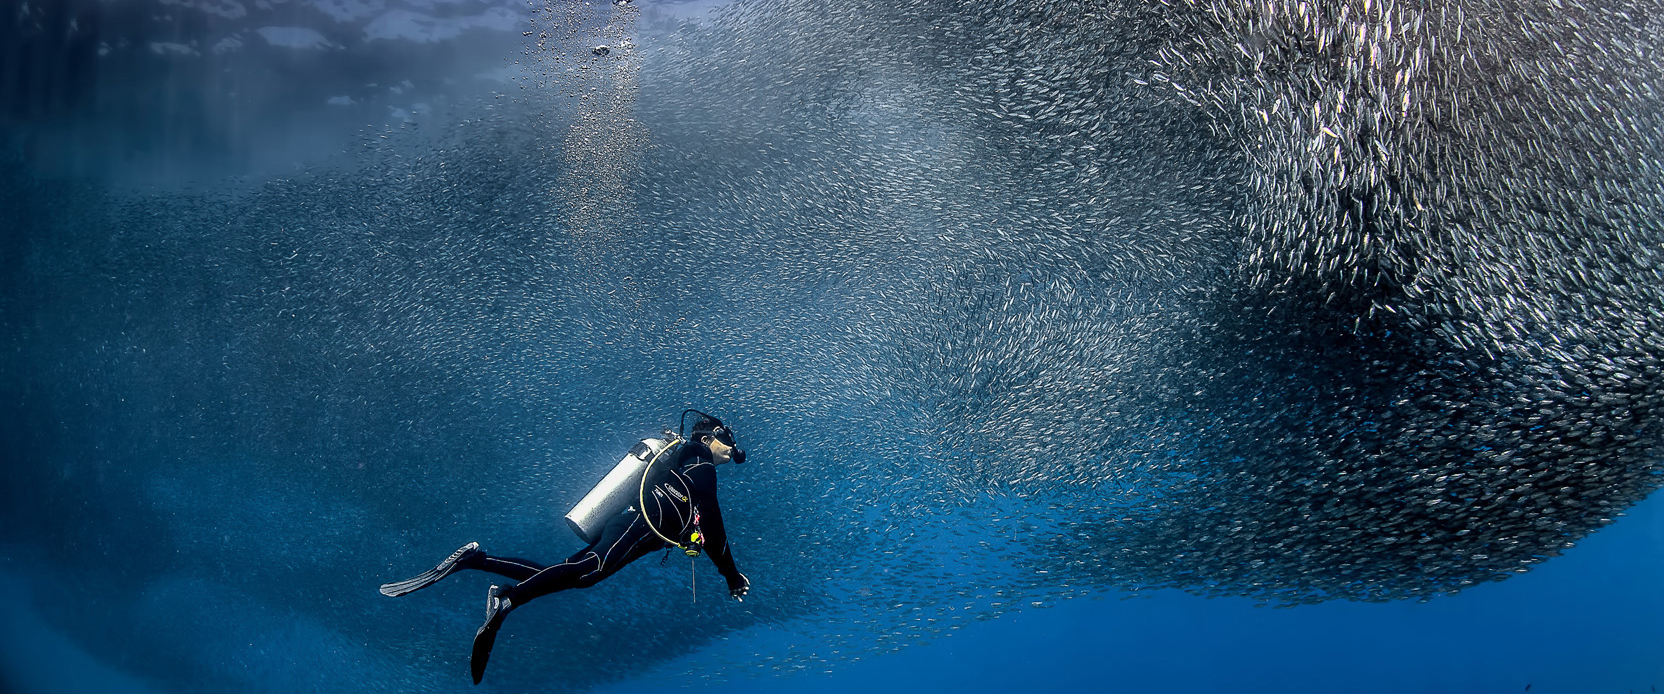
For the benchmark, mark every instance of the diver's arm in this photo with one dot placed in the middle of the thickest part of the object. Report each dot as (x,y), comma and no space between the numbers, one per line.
(716,536)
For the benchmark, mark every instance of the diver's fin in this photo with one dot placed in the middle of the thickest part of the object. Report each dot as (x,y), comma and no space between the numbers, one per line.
(496,608)
(431,576)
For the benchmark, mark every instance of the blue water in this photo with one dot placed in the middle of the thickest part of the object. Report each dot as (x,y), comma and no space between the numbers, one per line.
(297,297)
(1592,621)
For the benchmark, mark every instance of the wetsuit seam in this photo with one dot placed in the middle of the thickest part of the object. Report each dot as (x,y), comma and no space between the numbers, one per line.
(608,554)
(523,566)
(570,562)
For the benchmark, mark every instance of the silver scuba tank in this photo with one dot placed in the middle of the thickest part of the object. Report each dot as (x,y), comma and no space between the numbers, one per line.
(615,492)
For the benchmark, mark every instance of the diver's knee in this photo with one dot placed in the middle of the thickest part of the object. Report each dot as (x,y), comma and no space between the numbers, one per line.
(589,579)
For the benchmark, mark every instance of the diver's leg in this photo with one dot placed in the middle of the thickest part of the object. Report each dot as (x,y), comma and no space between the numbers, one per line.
(624,540)
(467,556)
(517,569)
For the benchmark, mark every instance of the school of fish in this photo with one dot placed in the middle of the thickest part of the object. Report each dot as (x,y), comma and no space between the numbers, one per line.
(1009,301)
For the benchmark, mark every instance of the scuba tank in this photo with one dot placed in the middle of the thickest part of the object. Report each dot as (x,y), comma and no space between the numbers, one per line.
(626,485)
(617,491)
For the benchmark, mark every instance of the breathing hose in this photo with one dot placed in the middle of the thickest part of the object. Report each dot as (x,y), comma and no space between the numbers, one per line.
(641,497)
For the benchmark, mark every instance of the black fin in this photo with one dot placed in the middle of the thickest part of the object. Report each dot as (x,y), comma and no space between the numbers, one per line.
(496,609)
(431,576)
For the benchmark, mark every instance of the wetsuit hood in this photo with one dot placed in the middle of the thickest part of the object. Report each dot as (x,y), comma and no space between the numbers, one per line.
(711,426)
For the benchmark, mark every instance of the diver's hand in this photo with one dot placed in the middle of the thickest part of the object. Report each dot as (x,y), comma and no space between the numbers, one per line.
(737,588)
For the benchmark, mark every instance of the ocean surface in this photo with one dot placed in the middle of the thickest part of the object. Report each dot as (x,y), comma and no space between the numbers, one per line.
(1108,346)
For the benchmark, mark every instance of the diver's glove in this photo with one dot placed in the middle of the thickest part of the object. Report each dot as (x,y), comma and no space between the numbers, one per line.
(737,588)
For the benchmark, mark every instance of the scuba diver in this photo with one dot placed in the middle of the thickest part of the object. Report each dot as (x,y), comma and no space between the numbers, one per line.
(662,494)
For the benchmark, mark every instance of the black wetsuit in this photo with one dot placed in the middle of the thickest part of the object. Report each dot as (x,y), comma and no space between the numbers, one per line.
(680,499)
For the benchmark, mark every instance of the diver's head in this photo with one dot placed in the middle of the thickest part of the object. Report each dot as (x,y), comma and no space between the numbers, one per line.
(720,452)
(719,439)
